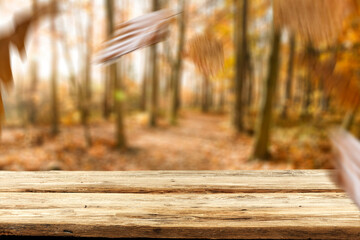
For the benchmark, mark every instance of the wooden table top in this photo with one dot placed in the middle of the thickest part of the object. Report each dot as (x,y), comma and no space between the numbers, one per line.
(295,204)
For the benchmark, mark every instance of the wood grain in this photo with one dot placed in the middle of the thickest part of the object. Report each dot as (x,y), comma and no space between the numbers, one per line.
(169,181)
(177,204)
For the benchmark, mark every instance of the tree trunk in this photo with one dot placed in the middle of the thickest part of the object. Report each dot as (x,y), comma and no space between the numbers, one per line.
(86,87)
(33,89)
(210,94)
(324,99)
(325,102)
(106,98)
(222,96)
(33,74)
(307,98)
(119,108)
(145,83)
(177,74)
(154,77)
(108,83)
(349,119)
(262,136)
(143,94)
(240,60)
(290,73)
(250,82)
(115,77)
(54,100)
(305,113)
(319,99)
(20,101)
(205,99)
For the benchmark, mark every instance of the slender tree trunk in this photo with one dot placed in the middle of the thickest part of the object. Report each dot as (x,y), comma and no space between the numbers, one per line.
(319,98)
(222,96)
(240,60)
(115,77)
(349,119)
(154,88)
(290,73)
(106,98)
(324,98)
(185,4)
(258,81)
(119,109)
(262,135)
(145,83)
(108,83)
(81,48)
(210,94)
(250,82)
(250,94)
(86,88)
(154,78)
(204,97)
(143,94)
(307,98)
(33,74)
(33,89)
(177,74)
(325,103)
(54,100)
(20,98)
(307,86)
(198,92)
(297,95)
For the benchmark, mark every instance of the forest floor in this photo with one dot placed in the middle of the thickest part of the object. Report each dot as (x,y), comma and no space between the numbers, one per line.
(198,142)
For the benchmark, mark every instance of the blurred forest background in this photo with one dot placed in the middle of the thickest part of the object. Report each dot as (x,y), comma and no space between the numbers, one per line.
(225,90)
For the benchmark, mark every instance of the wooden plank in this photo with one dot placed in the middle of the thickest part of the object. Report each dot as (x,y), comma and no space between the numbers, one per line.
(177,204)
(222,216)
(169,181)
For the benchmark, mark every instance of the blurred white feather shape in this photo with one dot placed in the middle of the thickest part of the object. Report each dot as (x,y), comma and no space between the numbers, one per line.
(347,163)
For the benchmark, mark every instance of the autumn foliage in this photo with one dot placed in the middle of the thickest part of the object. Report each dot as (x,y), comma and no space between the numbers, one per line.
(178,84)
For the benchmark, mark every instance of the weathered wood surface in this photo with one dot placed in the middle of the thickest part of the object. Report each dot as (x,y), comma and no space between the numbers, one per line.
(178,204)
(169,181)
